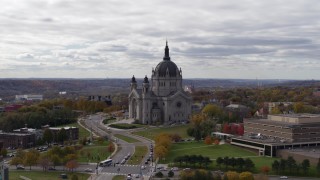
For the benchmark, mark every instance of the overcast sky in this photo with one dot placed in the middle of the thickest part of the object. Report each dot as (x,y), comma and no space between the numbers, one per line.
(264,39)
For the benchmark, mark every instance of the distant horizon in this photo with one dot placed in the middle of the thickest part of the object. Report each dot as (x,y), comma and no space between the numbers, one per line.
(230,39)
(44,78)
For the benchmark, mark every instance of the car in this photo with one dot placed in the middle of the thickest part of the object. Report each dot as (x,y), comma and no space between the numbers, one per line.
(143,167)
(51,169)
(117,162)
(283,177)
(186,169)
(88,170)
(137,176)
(129,177)
(11,155)
(175,169)
(123,161)
(63,176)
(146,162)
(19,167)
(164,169)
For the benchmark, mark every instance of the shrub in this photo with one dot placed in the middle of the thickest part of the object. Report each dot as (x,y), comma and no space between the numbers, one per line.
(159,174)
(170,174)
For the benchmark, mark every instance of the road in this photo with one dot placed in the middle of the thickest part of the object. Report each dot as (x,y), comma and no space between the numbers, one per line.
(95,123)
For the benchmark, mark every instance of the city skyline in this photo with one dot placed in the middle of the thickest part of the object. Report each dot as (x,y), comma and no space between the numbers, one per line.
(244,39)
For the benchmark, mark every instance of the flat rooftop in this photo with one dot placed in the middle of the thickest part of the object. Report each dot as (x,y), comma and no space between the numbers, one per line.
(271,141)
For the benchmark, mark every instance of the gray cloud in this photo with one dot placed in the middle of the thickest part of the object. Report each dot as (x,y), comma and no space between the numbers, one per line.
(232,38)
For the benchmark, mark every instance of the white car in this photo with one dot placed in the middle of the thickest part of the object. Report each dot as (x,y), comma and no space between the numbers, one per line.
(88,170)
(174,169)
(283,177)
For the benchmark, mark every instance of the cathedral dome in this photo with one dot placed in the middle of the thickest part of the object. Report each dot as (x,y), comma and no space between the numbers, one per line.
(166,65)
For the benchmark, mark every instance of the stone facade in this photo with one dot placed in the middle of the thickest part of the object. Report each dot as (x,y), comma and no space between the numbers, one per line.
(163,100)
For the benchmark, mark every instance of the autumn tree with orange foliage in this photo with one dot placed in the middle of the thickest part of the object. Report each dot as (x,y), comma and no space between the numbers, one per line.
(162,145)
(72,164)
(110,148)
(265,169)
(208,140)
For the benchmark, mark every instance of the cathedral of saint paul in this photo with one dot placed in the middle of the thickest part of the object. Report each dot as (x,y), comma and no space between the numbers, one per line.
(161,100)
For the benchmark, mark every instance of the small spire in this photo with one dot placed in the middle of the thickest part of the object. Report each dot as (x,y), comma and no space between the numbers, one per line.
(166,52)
(133,79)
(146,79)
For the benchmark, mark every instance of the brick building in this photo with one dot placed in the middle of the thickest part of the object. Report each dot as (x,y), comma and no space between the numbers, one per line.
(17,140)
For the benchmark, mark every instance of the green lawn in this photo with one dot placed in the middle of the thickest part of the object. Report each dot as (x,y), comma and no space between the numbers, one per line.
(119,177)
(96,152)
(136,158)
(211,151)
(40,175)
(151,133)
(82,132)
(126,138)
(215,151)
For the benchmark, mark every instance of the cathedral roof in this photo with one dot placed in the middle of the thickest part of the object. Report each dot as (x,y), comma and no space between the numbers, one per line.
(167,65)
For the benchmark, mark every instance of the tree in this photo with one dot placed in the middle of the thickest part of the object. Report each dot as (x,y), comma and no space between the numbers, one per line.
(74,177)
(175,137)
(219,161)
(159,174)
(318,166)
(170,173)
(275,166)
(265,169)
(240,163)
(282,165)
(55,159)
(226,162)
(178,159)
(232,162)
(298,107)
(44,161)
(216,141)
(246,176)
(305,165)
(100,140)
(226,128)
(206,161)
(160,151)
(208,140)
(47,136)
(16,161)
(110,148)
(62,135)
(232,175)
(31,158)
(212,110)
(248,164)
(291,163)
(72,164)
(4,152)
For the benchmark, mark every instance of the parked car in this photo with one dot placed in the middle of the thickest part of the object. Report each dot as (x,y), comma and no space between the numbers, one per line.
(63,176)
(88,170)
(51,169)
(20,167)
(175,169)
(283,177)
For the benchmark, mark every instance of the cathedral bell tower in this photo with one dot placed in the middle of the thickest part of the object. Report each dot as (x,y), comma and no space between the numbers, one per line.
(133,83)
(145,85)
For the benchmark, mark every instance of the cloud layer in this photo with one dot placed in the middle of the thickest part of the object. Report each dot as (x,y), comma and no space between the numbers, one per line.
(119,38)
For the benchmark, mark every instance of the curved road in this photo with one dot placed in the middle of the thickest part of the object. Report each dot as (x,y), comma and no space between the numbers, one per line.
(94,123)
